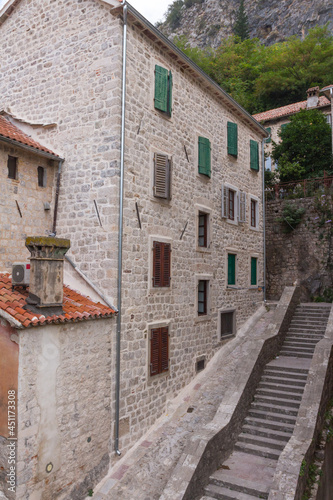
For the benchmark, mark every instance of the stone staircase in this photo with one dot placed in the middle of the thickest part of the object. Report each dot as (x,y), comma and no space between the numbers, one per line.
(248,472)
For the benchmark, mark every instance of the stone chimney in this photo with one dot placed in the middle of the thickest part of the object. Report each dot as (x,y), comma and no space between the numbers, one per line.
(312,97)
(46,274)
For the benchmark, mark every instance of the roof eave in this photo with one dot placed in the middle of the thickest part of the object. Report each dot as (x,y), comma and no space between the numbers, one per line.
(12,321)
(36,151)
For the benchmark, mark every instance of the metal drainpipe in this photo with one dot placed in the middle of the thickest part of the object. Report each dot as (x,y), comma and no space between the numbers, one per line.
(264,211)
(120,241)
(54,227)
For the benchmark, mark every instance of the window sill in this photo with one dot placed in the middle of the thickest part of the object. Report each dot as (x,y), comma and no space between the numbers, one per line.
(254,228)
(204,317)
(203,249)
(158,376)
(232,222)
(163,289)
(232,287)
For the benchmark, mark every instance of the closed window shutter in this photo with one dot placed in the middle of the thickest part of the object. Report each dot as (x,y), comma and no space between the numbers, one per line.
(242,207)
(284,125)
(161,176)
(166,258)
(253,270)
(269,139)
(170,94)
(224,201)
(164,350)
(231,269)
(232,139)
(204,156)
(154,351)
(161,88)
(157,268)
(254,155)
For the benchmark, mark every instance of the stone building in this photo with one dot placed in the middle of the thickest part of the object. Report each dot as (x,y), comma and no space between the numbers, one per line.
(275,119)
(161,186)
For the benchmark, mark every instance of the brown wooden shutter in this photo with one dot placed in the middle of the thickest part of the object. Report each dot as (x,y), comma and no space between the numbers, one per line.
(166,260)
(164,343)
(161,176)
(154,351)
(157,268)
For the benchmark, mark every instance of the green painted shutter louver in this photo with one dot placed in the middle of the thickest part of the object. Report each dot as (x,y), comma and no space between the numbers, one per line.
(284,125)
(231,269)
(170,94)
(204,156)
(254,155)
(232,138)
(161,88)
(269,139)
(253,270)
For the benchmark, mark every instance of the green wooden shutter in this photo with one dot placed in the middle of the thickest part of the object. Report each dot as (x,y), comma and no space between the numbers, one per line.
(284,125)
(204,156)
(161,88)
(254,155)
(232,139)
(170,94)
(253,270)
(269,139)
(231,269)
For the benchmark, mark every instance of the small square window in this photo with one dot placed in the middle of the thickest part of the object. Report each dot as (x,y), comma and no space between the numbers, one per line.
(12,167)
(227,324)
(202,297)
(203,230)
(41,174)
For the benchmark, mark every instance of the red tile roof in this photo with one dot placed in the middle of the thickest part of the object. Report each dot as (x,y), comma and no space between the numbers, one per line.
(76,307)
(288,110)
(10,131)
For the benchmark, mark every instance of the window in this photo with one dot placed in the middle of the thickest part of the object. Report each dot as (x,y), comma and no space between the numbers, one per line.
(159,350)
(233,204)
(254,155)
(232,139)
(163,90)
(231,269)
(161,264)
(204,156)
(162,176)
(203,230)
(269,139)
(283,126)
(254,209)
(200,365)
(329,119)
(227,323)
(41,173)
(254,267)
(12,167)
(202,297)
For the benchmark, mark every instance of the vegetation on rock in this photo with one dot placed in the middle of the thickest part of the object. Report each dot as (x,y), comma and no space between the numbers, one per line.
(241,27)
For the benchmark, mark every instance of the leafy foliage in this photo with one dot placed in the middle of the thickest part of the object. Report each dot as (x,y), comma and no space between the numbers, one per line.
(189,3)
(261,77)
(241,27)
(305,149)
(174,14)
(291,217)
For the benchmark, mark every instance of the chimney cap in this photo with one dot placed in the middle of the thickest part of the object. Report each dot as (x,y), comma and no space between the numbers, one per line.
(47,246)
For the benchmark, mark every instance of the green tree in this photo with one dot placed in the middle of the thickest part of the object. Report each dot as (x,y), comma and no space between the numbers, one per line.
(241,26)
(174,14)
(305,149)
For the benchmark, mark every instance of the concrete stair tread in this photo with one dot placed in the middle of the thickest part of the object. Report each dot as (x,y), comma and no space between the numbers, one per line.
(269,372)
(275,379)
(229,480)
(222,493)
(283,402)
(261,422)
(282,387)
(267,442)
(248,429)
(274,410)
(295,354)
(286,366)
(254,449)
(279,395)
(297,348)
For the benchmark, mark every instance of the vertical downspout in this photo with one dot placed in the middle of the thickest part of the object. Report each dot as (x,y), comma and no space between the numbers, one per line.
(55,215)
(264,211)
(120,240)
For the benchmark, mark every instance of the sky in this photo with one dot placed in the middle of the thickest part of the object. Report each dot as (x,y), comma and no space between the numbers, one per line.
(153,10)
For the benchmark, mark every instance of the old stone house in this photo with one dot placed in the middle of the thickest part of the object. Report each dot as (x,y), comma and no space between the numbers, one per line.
(160,192)
(275,119)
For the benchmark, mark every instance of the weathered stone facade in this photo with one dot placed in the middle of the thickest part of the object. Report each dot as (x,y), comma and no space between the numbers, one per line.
(22,210)
(73,66)
(300,255)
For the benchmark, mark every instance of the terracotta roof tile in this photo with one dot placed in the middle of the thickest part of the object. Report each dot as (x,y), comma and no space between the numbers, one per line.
(10,131)
(288,110)
(76,307)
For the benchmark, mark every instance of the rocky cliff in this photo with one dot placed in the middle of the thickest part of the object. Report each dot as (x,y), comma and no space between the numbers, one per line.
(207,23)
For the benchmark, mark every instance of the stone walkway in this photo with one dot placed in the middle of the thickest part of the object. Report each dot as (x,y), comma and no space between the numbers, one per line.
(144,471)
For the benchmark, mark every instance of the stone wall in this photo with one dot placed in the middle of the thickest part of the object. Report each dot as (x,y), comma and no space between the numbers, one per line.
(300,255)
(22,201)
(64,410)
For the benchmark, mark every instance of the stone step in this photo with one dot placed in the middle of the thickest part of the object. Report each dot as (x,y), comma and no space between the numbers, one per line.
(270,372)
(296,354)
(250,487)
(268,424)
(266,433)
(300,335)
(222,493)
(320,318)
(261,451)
(281,387)
(271,444)
(300,342)
(277,395)
(308,350)
(274,408)
(300,371)
(283,380)
(267,399)
(277,416)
